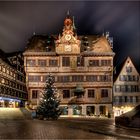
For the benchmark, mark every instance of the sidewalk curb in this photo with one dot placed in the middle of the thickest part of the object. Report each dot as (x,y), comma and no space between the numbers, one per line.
(130,128)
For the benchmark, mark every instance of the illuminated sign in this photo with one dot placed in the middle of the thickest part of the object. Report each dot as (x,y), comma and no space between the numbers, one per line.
(10,99)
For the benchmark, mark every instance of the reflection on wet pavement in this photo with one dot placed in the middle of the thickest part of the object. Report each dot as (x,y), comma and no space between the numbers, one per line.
(36,129)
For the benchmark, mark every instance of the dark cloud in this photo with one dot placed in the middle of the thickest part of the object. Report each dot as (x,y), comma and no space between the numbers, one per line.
(18,21)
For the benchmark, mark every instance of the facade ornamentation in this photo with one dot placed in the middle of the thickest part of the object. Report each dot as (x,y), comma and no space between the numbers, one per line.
(79,66)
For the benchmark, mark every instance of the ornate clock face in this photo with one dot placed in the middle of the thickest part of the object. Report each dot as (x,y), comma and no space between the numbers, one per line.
(68,37)
(67,48)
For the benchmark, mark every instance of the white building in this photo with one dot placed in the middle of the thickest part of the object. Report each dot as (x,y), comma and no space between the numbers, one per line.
(126,89)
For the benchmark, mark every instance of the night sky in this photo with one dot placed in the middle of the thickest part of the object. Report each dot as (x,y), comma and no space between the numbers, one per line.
(19,20)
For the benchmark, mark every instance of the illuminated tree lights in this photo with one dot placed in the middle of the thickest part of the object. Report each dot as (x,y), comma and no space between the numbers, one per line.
(49,105)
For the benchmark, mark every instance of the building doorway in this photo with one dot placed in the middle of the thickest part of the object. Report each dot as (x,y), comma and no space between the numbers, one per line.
(77,110)
(90,110)
(103,110)
(64,110)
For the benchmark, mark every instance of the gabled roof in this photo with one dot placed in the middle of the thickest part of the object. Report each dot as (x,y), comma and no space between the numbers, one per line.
(39,43)
(4,58)
(94,43)
(122,66)
(101,46)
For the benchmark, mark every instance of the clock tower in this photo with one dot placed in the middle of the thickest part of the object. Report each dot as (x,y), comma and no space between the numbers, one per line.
(68,43)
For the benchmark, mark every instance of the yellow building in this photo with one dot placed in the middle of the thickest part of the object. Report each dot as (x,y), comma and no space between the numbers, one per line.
(126,89)
(80,64)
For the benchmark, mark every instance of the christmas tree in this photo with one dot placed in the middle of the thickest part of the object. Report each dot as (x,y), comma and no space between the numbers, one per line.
(49,105)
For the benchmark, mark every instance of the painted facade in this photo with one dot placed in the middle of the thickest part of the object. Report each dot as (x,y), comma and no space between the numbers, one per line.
(81,64)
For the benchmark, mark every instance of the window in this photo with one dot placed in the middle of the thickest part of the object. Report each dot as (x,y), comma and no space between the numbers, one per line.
(66,94)
(128,88)
(63,78)
(17,86)
(3,69)
(130,78)
(31,63)
(65,61)
(120,99)
(91,78)
(93,62)
(125,99)
(137,78)
(34,78)
(117,88)
(64,110)
(105,62)
(77,78)
(123,78)
(104,78)
(34,94)
(80,61)
(134,88)
(137,99)
(104,93)
(131,99)
(123,88)
(90,93)
(53,63)
(128,69)
(42,63)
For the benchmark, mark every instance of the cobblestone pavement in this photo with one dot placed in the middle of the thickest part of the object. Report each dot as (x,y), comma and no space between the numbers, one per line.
(104,126)
(60,129)
(14,124)
(38,129)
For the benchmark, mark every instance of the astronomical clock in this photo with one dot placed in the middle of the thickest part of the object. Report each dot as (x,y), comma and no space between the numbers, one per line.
(68,43)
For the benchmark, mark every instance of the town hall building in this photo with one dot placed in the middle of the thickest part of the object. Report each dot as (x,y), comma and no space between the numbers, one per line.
(82,67)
